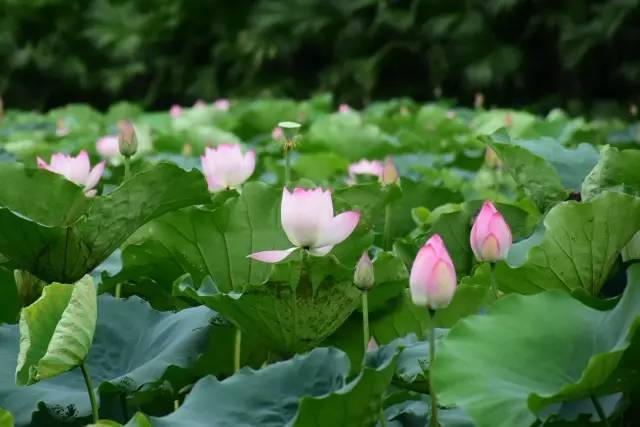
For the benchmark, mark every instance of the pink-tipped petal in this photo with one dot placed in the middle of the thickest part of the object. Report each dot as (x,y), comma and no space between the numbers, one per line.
(433,277)
(95,175)
(213,184)
(272,256)
(490,237)
(41,163)
(248,164)
(79,168)
(305,214)
(339,228)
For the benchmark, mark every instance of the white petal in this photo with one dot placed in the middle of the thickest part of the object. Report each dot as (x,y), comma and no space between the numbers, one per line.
(304,214)
(321,251)
(94,176)
(339,228)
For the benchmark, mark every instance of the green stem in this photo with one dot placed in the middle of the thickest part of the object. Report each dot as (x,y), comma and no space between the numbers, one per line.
(287,167)
(127,167)
(237,351)
(123,404)
(118,290)
(494,281)
(91,391)
(432,355)
(599,410)
(365,319)
(387,227)
(176,405)
(383,419)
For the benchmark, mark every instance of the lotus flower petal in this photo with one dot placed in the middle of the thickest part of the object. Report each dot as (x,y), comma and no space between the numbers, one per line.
(490,235)
(433,277)
(272,256)
(339,228)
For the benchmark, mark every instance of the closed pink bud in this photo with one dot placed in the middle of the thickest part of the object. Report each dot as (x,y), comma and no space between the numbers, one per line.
(222,104)
(76,169)
(389,172)
(373,344)
(277,133)
(433,276)
(226,167)
(344,108)
(490,235)
(175,111)
(364,276)
(308,221)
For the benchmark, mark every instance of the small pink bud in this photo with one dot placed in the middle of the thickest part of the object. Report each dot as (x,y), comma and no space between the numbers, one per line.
(199,104)
(363,277)
(222,104)
(344,108)
(277,133)
(389,172)
(127,140)
(433,276)
(372,346)
(175,111)
(490,235)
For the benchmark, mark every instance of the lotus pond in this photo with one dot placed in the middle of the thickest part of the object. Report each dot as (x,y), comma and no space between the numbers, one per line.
(283,263)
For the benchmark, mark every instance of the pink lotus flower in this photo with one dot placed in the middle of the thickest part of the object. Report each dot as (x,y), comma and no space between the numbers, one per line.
(344,108)
(389,173)
(76,169)
(226,167)
(175,111)
(433,276)
(108,147)
(307,219)
(277,133)
(366,167)
(490,235)
(222,104)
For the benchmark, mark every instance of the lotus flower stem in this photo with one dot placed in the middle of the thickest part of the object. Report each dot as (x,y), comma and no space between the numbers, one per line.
(91,391)
(386,236)
(599,410)
(365,319)
(127,167)
(383,419)
(287,167)
(432,355)
(237,351)
(176,405)
(494,281)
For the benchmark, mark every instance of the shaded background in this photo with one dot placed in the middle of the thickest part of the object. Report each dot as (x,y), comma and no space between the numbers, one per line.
(582,55)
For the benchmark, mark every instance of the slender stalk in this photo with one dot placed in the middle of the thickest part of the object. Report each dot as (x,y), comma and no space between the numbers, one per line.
(386,236)
(383,419)
(599,410)
(287,167)
(127,167)
(123,404)
(176,404)
(432,355)
(90,391)
(494,281)
(237,351)
(118,290)
(365,319)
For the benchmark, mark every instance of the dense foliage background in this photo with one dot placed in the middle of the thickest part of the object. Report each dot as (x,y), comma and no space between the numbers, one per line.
(517,52)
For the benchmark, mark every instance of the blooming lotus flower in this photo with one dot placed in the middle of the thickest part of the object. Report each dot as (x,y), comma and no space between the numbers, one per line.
(307,219)
(76,169)
(490,235)
(108,147)
(175,111)
(366,167)
(226,167)
(433,276)
(344,108)
(222,104)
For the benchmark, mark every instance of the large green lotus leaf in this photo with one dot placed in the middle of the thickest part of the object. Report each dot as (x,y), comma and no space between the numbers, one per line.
(9,300)
(56,331)
(6,419)
(539,180)
(324,394)
(133,348)
(74,238)
(616,170)
(499,367)
(576,247)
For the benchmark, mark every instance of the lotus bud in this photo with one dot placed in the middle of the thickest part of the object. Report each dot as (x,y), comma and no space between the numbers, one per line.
(199,104)
(128,141)
(344,108)
(61,128)
(478,101)
(175,111)
(277,133)
(433,277)
(389,173)
(508,119)
(222,104)
(490,235)
(491,159)
(373,344)
(633,110)
(364,277)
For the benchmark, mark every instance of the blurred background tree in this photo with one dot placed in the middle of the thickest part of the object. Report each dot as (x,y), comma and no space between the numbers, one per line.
(533,53)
